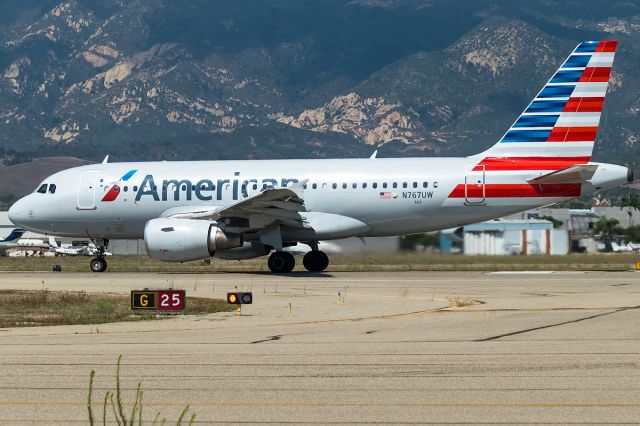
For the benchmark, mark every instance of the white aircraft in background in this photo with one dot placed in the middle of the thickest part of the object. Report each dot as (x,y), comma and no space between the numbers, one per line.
(194,210)
(71,250)
(11,240)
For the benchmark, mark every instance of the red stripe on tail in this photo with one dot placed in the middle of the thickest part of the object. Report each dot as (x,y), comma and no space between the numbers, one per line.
(607,46)
(529,163)
(508,190)
(595,75)
(573,134)
(584,105)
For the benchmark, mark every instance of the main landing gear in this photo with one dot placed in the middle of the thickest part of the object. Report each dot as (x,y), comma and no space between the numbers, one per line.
(282,262)
(99,264)
(315,261)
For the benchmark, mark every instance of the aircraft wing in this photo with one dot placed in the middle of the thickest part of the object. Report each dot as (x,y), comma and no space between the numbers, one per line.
(579,173)
(273,205)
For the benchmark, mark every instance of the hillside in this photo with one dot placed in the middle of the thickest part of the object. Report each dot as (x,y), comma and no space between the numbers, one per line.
(155,79)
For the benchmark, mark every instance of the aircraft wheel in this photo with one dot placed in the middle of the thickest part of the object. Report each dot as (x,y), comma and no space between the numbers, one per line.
(315,261)
(98,264)
(281,262)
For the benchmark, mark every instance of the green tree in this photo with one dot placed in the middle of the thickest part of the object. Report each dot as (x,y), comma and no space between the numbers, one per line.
(605,229)
(631,202)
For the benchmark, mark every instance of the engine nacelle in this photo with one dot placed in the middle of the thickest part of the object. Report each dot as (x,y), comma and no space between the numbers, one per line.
(184,240)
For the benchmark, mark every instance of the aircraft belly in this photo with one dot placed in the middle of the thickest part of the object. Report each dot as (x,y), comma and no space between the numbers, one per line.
(325,226)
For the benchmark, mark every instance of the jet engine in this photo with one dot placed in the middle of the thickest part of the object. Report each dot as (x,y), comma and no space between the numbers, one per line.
(184,240)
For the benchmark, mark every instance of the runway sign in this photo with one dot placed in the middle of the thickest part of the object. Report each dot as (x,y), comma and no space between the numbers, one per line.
(158,300)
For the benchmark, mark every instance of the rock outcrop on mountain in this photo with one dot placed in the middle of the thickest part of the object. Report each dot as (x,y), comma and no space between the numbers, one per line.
(371,120)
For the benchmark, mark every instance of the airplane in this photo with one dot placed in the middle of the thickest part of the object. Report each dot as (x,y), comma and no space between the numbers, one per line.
(191,210)
(12,239)
(71,250)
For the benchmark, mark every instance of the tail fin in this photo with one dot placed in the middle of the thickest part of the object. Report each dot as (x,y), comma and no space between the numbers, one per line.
(14,235)
(559,126)
(52,242)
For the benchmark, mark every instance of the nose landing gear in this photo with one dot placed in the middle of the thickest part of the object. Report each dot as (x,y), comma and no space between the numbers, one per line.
(99,264)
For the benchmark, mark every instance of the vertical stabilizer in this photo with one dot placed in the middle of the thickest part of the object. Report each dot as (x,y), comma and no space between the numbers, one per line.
(558,128)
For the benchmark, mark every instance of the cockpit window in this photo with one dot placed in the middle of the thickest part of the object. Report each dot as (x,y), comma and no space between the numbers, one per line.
(42,189)
(52,188)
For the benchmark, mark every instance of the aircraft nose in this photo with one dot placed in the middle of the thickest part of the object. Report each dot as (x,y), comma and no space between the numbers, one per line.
(18,212)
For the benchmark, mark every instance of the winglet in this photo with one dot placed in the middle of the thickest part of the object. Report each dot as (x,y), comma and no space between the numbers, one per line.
(106,160)
(52,241)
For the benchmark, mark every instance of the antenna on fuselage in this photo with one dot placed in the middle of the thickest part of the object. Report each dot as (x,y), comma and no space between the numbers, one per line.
(373,156)
(106,160)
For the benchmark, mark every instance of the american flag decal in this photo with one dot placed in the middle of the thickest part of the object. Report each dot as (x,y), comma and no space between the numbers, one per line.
(385,195)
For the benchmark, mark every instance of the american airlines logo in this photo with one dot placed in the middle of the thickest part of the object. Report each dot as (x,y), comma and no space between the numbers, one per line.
(205,189)
(114,191)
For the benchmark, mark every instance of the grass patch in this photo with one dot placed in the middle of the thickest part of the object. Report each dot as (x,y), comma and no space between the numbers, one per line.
(344,263)
(20,308)
(459,302)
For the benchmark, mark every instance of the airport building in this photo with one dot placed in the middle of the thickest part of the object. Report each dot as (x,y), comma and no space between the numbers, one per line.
(514,237)
(539,231)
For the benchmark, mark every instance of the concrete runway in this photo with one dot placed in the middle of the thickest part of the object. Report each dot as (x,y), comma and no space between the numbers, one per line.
(537,348)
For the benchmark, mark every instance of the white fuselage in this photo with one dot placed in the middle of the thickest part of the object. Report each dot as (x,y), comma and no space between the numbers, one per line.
(388,196)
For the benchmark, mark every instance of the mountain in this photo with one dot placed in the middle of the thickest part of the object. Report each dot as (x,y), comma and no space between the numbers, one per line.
(157,79)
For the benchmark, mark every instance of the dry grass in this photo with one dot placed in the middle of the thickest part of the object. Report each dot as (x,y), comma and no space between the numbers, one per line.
(346,263)
(43,307)
(458,302)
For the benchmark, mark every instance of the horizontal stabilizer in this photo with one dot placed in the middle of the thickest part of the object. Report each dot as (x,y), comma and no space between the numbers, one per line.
(579,173)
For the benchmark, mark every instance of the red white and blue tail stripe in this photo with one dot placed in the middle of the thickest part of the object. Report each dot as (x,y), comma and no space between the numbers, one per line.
(556,131)
(558,128)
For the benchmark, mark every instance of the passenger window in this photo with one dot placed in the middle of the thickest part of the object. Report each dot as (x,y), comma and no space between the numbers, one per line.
(384,185)
(374,185)
(335,186)
(344,186)
(324,186)
(415,184)
(135,188)
(52,188)
(304,186)
(42,189)
(425,184)
(314,186)
(404,184)
(255,186)
(364,185)
(395,184)
(354,185)
(126,188)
